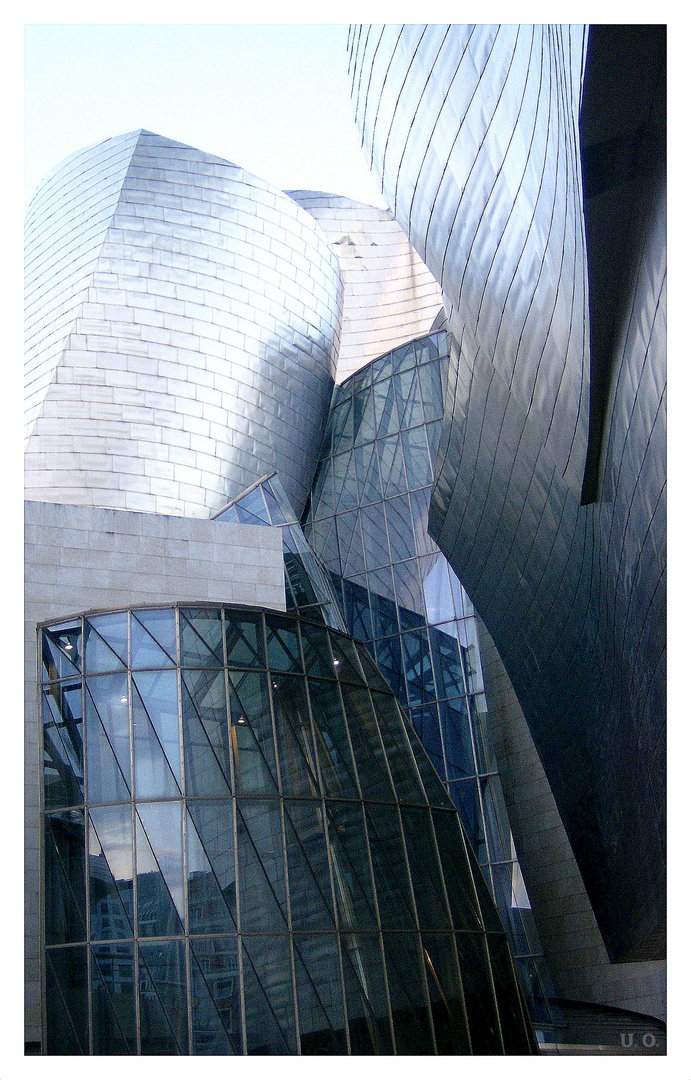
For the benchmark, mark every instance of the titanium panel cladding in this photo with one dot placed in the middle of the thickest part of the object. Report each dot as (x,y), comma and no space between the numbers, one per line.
(389,295)
(183,326)
(474,133)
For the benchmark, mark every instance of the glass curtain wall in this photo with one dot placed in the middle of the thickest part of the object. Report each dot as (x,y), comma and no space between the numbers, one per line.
(367,523)
(247,851)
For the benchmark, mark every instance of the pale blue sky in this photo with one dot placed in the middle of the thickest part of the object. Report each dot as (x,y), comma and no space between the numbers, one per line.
(271,98)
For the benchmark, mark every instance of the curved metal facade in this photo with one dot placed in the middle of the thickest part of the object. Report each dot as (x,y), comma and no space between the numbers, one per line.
(389,294)
(183,326)
(247,852)
(474,132)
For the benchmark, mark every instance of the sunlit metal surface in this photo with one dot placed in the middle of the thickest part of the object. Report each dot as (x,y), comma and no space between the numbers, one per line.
(389,294)
(473,131)
(183,320)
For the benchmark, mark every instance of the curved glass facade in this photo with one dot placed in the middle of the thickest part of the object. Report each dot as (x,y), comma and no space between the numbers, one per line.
(368,523)
(247,851)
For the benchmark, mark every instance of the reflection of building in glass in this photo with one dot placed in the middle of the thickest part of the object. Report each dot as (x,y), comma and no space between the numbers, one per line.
(526,164)
(368,524)
(270,843)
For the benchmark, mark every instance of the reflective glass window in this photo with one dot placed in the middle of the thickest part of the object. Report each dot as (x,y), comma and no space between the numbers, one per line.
(319,994)
(215,986)
(113,999)
(163,998)
(67,1013)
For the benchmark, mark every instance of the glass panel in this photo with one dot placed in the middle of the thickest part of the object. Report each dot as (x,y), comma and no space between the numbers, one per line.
(146,652)
(311,906)
(108,738)
(398,754)
(390,868)
(460,888)
(294,736)
(244,640)
(366,1001)
(98,655)
(445,993)
(400,528)
(436,795)
(261,869)
(163,998)
(205,734)
(111,872)
(269,1009)
(464,795)
(156,735)
(159,869)
(407,992)
(211,906)
(319,659)
(282,645)
(62,650)
(477,991)
(160,623)
(201,637)
(113,630)
(216,1022)
(457,738)
(63,770)
(65,894)
(251,734)
(432,913)
(345,659)
(319,995)
(333,748)
(367,745)
(348,849)
(66,1002)
(112,999)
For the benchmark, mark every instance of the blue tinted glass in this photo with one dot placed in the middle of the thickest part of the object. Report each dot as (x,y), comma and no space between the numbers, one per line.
(216,1021)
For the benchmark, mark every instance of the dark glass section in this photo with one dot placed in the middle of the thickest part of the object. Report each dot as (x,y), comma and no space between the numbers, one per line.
(311,905)
(269,1009)
(319,994)
(163,998)
(446,1002)
(367,1005)
(67,1012)
(408,994)
(65,900)
(251,734)
(215,985)
(296,752)
(113,999)
(211,867)
(478,993)
(260,866)
(63,745)
(244,641)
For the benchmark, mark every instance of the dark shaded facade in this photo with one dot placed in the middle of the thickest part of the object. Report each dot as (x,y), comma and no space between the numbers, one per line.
(248,852)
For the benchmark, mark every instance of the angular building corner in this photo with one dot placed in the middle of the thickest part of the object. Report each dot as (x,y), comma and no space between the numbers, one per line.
(526,164)
(237,844)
